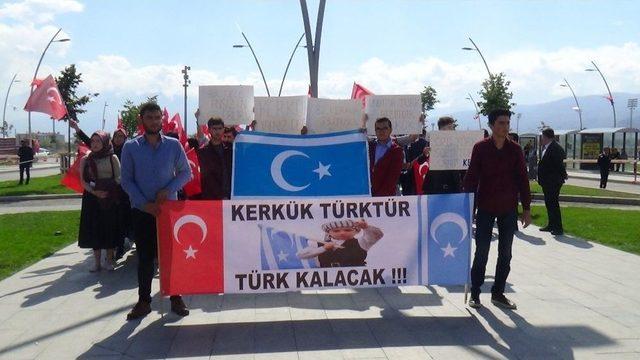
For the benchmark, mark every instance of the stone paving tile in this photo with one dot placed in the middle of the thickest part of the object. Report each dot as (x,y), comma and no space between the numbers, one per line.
(572,304)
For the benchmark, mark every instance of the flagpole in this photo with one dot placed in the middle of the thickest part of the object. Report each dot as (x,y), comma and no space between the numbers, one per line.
(38,68)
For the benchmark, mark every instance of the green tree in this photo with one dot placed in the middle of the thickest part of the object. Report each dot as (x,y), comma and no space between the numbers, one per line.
(68,82)
(495,94)
(130,114)
(428,97)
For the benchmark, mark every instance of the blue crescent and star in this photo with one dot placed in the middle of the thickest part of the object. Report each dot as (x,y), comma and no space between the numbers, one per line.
(278,178)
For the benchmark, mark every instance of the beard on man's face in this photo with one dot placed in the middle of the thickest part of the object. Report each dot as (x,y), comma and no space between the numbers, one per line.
(151,130)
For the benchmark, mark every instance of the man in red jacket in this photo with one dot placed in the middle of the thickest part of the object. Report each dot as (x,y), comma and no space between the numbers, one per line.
(498,176)
(385,160)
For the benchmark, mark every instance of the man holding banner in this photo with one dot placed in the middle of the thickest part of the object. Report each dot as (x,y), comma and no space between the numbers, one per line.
(154,168)
(497,174)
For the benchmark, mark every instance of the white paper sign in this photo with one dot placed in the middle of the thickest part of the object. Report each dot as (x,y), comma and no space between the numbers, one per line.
(328,115)
(403,110)
(280,115)
(451,150)
(232,103)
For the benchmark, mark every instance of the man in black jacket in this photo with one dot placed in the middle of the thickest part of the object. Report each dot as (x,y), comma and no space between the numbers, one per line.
(551,176)
(25,156)
(604,163)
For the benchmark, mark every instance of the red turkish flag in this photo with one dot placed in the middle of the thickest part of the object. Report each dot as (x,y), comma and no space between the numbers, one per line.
(119,126)
(165,119)
(193,187)
(72,178)
(419,172)
(190,247)
(176,123)
(46,99)
(360,92)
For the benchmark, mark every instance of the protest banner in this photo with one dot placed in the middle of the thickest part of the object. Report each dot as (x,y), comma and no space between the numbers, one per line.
(329,115)
(232,103)
(451,150)
(262,245)
(280,115)
(277,165)
(403,110)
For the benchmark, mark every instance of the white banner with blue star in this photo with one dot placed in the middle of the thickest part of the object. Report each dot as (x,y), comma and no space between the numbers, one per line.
(276,165)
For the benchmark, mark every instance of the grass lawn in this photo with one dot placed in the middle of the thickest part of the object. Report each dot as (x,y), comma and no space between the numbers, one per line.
(37,186)
(29,237)
(585,191)
(619,229)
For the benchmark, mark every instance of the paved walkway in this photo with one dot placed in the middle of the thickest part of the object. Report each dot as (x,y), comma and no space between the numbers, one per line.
(575,300)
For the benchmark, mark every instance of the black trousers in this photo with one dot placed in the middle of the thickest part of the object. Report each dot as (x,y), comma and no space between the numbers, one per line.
(551,202)
(25,168)
(507,224)
(604,177)
(145,234)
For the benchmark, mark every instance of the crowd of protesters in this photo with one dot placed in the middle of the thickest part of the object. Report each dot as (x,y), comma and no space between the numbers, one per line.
(125,182)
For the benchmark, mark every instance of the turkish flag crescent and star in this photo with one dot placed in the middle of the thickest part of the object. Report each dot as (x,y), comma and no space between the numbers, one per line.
(46,99)
(190,240)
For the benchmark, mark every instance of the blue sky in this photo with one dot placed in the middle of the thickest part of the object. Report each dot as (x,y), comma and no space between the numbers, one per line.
(133,49)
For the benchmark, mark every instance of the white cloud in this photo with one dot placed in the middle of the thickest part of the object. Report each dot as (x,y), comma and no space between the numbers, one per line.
(38,11)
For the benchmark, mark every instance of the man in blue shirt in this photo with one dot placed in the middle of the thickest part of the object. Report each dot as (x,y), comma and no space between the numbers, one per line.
(154,168)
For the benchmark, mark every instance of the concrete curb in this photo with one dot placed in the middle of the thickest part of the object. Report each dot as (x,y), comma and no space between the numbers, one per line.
(4,199)
(617,181)
(592,199)
(35,168)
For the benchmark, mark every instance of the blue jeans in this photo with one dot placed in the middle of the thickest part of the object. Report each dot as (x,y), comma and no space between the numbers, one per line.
(507,225)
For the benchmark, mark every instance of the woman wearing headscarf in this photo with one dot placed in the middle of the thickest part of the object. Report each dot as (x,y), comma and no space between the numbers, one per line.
(100,219)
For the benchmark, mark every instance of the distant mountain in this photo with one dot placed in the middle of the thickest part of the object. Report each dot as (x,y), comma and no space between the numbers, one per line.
(559,114)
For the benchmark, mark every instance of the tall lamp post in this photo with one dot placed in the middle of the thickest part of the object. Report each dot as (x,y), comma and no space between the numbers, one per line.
(610,98)
(53,39)
(475,48)
(631,104)
(289,63)
(313,49)
(185,85)
(256,59)
(4,108)
(579,109)
(470,98)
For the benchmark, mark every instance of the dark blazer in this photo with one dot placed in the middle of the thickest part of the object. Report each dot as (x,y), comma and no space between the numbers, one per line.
(215,172)
(551,169)
(385,174)
(25,153)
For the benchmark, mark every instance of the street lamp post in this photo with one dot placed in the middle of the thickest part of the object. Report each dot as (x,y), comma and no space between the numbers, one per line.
(575,98)
(613,107)
(289,63)
(470,98)
(4,108)
(475,47)
(186,85)
(256,59)
(53,39)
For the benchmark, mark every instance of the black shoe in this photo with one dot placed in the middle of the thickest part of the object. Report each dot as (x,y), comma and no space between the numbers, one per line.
(557,232)
(178,306)
(140,310)
(474,302)
(502,301)
(546,228)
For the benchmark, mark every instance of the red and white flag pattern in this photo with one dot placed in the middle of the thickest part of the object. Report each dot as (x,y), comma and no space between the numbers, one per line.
(46,99)
(190,237)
